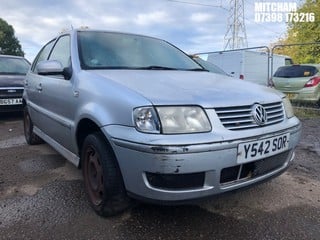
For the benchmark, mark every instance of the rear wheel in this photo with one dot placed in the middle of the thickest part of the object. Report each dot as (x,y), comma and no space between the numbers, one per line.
(31,137)
(102,177)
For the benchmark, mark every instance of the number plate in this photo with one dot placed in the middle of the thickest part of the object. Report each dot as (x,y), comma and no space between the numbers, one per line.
(263,148)
(291,95)
(11,101)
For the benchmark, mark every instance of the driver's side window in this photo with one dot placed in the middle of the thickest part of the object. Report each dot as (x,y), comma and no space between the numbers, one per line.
(43,54)
(61,51)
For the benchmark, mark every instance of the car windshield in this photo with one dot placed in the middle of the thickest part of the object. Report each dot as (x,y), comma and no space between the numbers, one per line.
(105,50)
(14,66)
(296,71)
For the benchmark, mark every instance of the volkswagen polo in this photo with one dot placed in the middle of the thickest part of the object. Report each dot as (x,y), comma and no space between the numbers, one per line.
(145,121)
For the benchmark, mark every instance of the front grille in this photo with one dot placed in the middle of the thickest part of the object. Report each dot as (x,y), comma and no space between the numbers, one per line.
(176,181)
(253,169)
(240,117)
(11,92)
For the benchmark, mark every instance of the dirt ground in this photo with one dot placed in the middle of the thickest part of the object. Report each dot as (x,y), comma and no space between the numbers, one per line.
(42,197)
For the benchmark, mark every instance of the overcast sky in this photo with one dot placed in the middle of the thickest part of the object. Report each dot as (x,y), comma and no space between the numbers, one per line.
(196,27)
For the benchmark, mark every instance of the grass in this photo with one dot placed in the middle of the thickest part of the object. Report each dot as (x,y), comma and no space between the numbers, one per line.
(301,112)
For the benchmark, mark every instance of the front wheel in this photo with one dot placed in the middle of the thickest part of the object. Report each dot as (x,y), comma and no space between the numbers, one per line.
(102,177)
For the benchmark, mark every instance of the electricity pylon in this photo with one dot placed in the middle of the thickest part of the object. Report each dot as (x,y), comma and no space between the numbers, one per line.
(236,36)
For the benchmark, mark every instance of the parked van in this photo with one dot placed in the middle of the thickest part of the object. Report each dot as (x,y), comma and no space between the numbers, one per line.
(248,65)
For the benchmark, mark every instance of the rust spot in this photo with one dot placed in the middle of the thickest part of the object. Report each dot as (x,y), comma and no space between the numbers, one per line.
(185,149)
(179,159)
(171,150)
(160,149)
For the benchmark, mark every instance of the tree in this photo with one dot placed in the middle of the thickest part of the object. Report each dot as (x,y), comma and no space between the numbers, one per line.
(305,28)
(9,44)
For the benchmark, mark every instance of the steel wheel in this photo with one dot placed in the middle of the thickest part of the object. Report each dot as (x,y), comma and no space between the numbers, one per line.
(27,125)
(94,175)
(102,177)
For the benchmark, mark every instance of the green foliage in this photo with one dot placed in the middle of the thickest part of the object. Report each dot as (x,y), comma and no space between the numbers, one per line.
(303,32)
(9,44)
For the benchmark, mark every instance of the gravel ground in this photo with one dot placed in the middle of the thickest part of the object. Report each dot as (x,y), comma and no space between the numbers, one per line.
(42,197)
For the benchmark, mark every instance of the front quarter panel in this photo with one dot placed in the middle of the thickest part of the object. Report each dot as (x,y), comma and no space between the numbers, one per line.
(106,102)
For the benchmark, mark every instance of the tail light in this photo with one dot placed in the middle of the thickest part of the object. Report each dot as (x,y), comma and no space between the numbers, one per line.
(313,82)
(241,76)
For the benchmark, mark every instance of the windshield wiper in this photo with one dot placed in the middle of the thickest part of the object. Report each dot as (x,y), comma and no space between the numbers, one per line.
(156,67)
(198,70)
(151,67)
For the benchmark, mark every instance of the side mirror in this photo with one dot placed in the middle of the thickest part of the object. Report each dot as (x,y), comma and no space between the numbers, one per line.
(50,67)
(53,67)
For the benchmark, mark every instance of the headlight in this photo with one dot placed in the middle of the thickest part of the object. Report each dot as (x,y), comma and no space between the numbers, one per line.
(146,120)
(188,119)
(288,107)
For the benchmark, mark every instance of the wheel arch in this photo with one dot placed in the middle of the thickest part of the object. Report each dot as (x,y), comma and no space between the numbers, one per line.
(85,127)
(24,102)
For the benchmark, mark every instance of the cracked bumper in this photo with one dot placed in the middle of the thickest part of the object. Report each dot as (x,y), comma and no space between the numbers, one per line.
(138,160)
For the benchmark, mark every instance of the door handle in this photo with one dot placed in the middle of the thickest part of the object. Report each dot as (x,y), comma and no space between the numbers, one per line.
(39,87)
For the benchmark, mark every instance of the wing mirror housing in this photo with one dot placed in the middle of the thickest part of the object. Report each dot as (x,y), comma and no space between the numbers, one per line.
(53,67)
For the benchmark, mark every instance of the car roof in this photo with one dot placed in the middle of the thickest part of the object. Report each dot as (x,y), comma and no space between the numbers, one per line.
(85,29)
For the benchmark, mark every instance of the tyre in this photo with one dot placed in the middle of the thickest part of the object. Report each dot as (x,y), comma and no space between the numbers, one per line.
(31,137)
(102,177)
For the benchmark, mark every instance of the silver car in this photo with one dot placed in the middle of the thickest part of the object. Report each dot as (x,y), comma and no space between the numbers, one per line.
(145,121)
(300,82)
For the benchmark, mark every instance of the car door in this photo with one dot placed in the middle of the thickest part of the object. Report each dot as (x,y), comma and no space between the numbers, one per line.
(56,98)
(32,84)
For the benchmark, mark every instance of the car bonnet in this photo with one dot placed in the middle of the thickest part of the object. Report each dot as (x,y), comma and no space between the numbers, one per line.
(11,81)
(191,88)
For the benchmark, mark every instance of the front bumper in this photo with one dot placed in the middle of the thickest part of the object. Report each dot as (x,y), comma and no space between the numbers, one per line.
(181,172)
(11,108)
